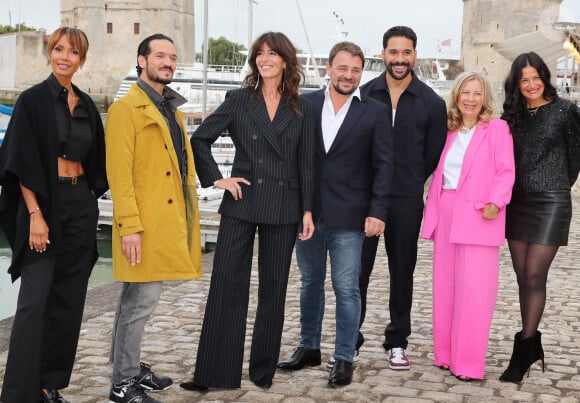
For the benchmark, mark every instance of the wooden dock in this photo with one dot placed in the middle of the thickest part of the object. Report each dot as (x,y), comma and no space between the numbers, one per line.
(209,220)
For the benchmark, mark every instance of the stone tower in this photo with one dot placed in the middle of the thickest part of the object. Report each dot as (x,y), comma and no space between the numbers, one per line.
(115,28)
(486,22)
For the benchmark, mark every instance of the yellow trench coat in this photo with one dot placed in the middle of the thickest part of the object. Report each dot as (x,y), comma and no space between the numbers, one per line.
(143,174)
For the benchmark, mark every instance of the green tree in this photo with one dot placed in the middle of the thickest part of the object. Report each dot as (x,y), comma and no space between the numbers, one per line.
(224,52)
(7,29)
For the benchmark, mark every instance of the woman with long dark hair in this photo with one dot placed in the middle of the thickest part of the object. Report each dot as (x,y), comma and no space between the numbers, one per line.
(270,190)
(546,132)
(52,168)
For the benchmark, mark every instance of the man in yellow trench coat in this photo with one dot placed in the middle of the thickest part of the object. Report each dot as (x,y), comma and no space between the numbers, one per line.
(155,215)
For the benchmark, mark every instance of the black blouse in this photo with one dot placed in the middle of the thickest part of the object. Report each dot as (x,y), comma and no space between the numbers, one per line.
(547,148)
(74,130)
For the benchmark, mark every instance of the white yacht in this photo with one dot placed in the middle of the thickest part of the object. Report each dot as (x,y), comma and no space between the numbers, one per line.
(188,78)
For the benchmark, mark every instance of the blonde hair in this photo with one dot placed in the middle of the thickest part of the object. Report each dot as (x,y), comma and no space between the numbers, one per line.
(454,118)
(77,39)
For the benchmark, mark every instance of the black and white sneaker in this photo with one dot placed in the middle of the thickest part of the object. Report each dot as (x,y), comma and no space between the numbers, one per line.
(151,382)
(129,392)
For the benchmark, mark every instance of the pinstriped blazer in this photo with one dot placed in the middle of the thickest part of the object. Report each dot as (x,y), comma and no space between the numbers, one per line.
(276,157)
(354,178)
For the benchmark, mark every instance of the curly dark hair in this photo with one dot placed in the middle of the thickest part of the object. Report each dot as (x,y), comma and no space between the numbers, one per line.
(293,74)
(397,31)
(514,106)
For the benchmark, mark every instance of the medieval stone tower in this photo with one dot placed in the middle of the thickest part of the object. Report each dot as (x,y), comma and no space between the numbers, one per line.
(486,22)
(115,28)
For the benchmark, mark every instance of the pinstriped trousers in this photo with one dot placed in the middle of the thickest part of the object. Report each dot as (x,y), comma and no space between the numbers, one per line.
(221,346)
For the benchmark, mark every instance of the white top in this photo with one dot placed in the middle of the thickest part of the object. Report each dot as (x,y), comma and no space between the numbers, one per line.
(454,159)
(331,122)
(394,113)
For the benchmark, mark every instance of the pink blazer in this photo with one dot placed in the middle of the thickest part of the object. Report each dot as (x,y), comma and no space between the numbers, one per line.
(487,176)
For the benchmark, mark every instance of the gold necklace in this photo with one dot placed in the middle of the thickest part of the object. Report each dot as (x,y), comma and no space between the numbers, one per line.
(464,129)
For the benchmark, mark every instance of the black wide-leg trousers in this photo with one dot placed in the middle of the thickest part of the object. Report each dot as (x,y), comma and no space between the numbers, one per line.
(51,300)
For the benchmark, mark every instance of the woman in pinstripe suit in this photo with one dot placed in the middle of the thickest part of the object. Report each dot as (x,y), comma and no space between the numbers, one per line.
(270,190)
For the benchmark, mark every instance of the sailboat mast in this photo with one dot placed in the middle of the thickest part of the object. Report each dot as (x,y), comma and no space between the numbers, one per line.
(307,40)
(205,62)
(250,22)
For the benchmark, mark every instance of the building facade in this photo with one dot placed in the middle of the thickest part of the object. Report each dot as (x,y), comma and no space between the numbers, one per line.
(488,22)
(114,29)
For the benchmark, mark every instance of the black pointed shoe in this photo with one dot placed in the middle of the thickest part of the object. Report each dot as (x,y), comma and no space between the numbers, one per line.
(341,373)
(263,383)
(52,396)
(191,385)
(302,357)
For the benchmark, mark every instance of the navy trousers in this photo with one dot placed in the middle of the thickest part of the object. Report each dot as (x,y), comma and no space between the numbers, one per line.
(401,235)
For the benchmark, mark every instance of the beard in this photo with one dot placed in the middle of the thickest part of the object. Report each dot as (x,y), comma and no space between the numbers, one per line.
(394,75)
(153,76)
(342,91)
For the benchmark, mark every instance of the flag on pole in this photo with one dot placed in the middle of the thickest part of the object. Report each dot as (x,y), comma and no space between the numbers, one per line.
(446,42)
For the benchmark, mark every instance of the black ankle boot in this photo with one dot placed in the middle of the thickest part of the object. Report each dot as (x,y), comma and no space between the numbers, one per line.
(525,353)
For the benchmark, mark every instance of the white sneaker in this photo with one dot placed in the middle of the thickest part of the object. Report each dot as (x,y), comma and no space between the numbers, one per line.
(398,359)
(331,360)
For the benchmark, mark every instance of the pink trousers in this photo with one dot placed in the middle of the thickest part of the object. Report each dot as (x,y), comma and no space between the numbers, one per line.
(465,282)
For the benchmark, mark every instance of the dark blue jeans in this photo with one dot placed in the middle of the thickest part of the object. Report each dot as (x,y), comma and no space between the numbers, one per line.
(344,248)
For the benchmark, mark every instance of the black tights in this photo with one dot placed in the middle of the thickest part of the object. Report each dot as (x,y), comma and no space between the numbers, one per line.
(531,263)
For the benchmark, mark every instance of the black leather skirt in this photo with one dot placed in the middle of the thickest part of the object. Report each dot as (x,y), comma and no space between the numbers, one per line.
(542,218)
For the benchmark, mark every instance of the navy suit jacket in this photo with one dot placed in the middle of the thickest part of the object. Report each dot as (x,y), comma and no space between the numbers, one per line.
(353,179)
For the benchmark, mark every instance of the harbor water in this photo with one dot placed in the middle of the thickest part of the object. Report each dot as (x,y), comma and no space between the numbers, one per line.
(102,274)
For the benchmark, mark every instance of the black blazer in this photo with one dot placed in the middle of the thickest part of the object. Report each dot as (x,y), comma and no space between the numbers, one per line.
(353,180)
(276,157)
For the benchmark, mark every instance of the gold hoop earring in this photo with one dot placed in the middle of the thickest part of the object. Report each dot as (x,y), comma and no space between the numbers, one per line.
(257,83)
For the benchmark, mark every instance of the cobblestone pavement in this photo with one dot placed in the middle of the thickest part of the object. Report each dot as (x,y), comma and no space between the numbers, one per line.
(171,341)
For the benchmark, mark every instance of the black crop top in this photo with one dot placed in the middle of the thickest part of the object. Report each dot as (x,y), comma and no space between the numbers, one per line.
(73,132)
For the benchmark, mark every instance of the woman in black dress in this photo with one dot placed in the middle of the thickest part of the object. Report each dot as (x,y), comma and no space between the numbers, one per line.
(546,134)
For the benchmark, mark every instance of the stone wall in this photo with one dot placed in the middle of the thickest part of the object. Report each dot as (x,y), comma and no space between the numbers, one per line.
(488,21)
(23,60)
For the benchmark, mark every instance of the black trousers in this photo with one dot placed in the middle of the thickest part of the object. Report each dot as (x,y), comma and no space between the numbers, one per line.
(401,235)
(221,346)
(49,310)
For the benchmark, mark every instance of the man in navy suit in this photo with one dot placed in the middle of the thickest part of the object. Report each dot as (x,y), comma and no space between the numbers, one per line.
(353,169)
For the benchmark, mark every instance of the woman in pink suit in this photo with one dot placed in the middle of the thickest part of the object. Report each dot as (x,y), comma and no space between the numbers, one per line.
(465,216)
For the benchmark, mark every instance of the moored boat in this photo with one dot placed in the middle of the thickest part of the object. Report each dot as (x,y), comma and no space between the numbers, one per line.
(5,113)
